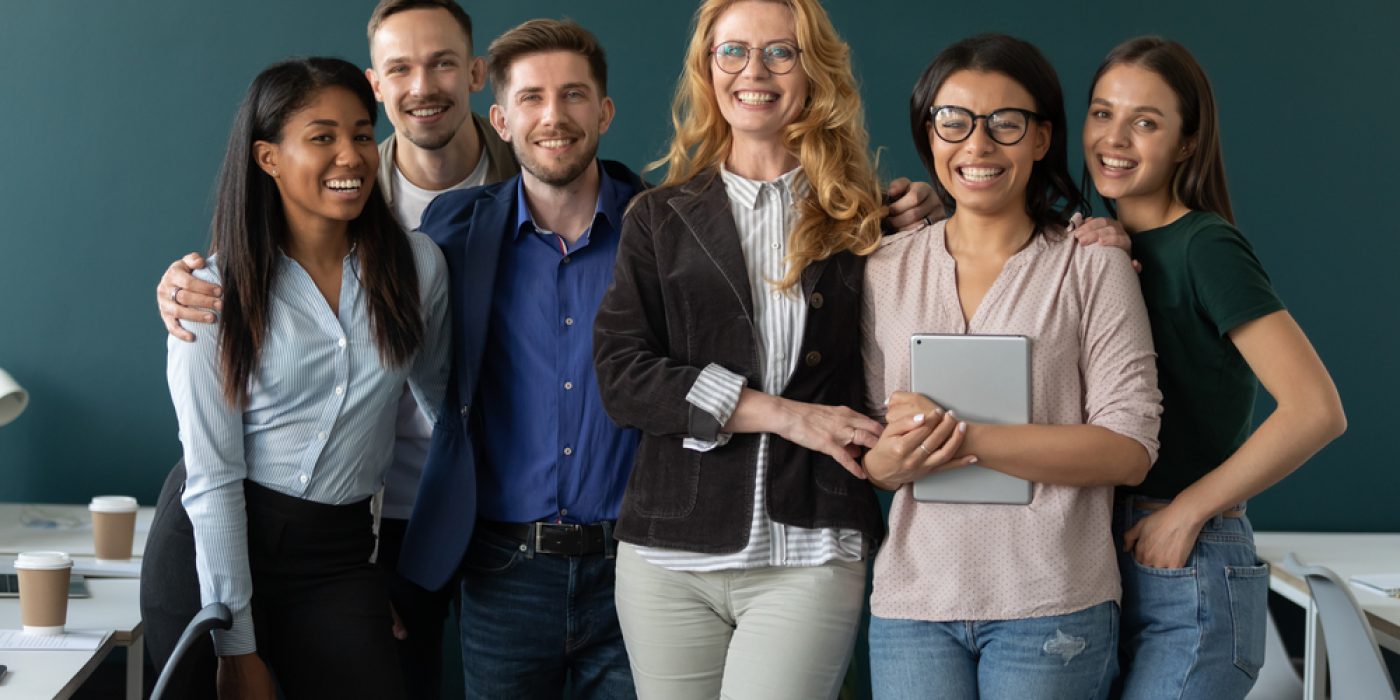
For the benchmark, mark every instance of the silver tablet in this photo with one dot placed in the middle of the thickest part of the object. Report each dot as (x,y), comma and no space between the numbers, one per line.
(982,379)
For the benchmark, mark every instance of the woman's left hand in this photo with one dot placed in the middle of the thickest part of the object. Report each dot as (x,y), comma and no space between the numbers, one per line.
(911,204)
(1104,231)
(1163,539)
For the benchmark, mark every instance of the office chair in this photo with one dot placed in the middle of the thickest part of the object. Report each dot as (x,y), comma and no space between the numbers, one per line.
(213,616)
(1278,680)
(1354,660)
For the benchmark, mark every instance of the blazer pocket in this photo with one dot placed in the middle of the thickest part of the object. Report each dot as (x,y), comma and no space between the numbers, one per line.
(667,487)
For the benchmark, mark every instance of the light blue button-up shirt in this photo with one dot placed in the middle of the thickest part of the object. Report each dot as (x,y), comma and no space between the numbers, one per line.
(318,423)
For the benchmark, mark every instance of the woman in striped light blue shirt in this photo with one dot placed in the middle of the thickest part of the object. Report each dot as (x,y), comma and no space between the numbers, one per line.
(286,404)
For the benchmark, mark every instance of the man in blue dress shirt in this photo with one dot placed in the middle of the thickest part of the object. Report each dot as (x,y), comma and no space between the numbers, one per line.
(530,259)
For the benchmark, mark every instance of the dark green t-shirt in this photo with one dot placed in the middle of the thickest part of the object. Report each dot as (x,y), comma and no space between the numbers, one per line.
(1200,279)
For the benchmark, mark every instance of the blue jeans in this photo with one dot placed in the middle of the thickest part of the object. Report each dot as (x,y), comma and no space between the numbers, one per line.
(1197,631)
(1055,657)
(532,623)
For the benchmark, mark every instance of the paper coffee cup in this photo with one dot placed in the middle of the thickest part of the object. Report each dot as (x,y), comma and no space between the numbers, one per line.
(113,526)
(43,591)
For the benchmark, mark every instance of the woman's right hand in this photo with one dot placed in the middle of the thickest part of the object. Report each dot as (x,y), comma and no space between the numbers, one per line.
(921,438)
(181,295)
(836,431)
(245,677)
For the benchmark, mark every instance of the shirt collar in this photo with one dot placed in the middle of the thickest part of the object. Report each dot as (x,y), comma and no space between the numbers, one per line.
(746,191)
(605,206)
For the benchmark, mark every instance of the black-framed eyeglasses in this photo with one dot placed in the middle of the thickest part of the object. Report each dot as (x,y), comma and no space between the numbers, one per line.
(1007,126)
(733,57)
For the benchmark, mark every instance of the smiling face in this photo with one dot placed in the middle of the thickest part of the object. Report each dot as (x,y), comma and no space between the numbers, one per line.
(552,112)
(757,103)
(983,176)
(325,160)
(1132,134)
(424,74)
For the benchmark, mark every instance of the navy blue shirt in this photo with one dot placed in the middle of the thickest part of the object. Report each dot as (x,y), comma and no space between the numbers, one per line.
(548,450)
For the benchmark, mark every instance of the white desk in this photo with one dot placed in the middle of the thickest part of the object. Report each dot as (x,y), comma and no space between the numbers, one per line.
(115,603)
(73,535)
(114,606)
(1347,554)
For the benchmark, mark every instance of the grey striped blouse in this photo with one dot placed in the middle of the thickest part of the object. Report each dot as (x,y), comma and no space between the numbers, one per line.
(763,212)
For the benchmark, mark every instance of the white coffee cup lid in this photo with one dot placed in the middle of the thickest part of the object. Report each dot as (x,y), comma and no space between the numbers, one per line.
(43,560)
(113,504)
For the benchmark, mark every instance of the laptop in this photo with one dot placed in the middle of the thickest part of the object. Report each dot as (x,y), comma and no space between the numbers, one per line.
(983,379)
(77,586)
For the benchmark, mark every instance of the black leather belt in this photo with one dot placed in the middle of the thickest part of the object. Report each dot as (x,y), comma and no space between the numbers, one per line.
(569,539)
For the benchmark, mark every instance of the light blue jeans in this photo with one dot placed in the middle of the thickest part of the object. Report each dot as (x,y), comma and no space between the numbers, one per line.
(1057,657)
(1197,631)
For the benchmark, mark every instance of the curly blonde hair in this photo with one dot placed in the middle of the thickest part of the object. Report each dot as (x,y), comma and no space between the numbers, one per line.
(843,208)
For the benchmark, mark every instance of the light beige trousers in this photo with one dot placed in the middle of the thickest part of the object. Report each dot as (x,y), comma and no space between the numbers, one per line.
(770,633)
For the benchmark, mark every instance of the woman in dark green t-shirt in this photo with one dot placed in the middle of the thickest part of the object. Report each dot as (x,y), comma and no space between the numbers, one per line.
(1194,593)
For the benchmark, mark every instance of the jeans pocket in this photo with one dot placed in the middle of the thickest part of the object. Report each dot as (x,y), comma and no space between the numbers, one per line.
(492,553)
(1249,594)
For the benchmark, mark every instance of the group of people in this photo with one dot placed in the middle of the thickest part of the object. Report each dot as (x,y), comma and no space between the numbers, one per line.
(634,433)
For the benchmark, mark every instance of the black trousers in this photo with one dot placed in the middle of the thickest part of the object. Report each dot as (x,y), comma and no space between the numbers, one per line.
(423,613)
(320,608)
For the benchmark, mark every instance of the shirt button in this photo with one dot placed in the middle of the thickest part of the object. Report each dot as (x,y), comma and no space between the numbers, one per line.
(339,390)
(568,451)
(321,436)
(568,386)
(465,409)
(813,358)
(304,478)
(777,246)
(563,511)
(777,295)
(566,260)
(569,320)
(816,301)
(341,343)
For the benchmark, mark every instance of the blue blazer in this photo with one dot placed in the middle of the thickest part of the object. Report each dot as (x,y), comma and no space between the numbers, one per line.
(470,226)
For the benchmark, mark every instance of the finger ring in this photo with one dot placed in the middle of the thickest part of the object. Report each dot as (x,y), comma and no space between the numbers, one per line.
(175,293)
(852,439)
(920,446)
(927,221)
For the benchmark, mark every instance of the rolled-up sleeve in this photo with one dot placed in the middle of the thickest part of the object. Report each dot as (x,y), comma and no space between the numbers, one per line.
(1117,357)
(716,392)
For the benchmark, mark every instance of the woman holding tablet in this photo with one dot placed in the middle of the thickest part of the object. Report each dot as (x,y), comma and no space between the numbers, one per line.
(1004,601)
(286,403)
(1194,593)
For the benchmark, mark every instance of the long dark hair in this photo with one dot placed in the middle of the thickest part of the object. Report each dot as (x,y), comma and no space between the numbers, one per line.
(1050,193)
(250,227)
(1199,181)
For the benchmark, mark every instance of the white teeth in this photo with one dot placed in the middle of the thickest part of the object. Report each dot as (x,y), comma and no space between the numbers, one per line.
(1117,162)
(755,98)
(980,174)
(426,111)
(345,184)
(555,143)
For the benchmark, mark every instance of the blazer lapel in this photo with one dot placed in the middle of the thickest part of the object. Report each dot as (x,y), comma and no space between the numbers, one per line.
(490,229)
(704,208)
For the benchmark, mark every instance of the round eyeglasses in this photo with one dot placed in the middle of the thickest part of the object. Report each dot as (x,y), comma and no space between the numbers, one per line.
(1007,126)
(733,57)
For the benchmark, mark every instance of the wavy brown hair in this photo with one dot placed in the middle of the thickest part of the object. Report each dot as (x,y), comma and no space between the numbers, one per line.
(842,210)
(250,228)
(1199,181)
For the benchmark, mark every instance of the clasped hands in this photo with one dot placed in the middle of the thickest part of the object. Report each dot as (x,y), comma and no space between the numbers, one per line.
(919,438)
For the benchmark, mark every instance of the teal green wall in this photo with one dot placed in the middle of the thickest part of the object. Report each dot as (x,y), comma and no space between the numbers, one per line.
(116,115)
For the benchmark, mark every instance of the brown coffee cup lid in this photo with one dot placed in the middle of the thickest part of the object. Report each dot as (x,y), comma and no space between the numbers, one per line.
(113,504)
(43,560)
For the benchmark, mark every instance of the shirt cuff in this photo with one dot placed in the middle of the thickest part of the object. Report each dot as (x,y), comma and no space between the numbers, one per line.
(713,398)
(237,639)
